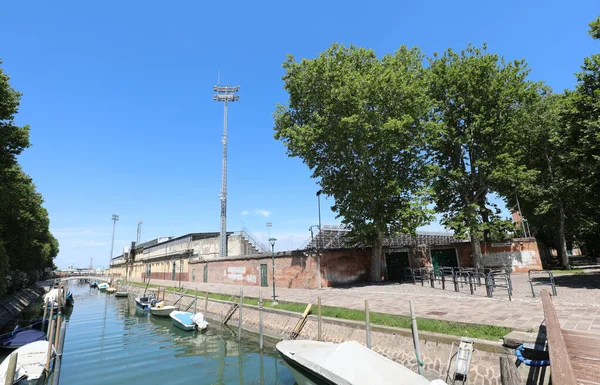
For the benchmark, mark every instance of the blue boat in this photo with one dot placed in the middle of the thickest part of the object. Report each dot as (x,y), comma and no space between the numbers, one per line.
(69,299)
(183,320)
(94,284)
(21,337)
(145,302)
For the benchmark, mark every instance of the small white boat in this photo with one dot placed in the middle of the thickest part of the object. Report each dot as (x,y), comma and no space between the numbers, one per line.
(103,286)
(347,363)
(111,290)
(122,294)
(185,320)
(162,310)
(30,364)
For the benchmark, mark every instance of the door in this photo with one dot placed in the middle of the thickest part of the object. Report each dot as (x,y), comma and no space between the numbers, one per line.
(444,258)
(264,280)
(396,263)
(194,274)
(174,271)
(205,277)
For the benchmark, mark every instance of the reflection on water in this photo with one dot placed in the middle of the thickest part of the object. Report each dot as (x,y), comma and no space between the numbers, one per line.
(109,342)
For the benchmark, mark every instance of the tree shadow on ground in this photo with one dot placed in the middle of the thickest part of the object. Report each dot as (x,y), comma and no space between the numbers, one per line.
(579,281)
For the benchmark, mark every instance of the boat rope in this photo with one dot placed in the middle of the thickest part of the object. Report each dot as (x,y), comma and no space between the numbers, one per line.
(528,362)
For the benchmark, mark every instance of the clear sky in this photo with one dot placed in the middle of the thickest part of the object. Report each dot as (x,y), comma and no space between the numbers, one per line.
(119,98)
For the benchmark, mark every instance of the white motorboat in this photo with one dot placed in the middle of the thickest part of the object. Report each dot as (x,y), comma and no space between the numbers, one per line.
(347,363)
(188,321)
(31,362)
(162,310)
(103,286)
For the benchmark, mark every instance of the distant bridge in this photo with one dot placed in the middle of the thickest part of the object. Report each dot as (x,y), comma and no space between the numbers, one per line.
(99,278)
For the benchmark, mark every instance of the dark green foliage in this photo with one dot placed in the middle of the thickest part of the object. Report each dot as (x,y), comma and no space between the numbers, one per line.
(26,245)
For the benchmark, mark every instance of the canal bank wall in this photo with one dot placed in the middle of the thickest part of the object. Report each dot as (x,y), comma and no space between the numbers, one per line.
(394,343)
(11,307)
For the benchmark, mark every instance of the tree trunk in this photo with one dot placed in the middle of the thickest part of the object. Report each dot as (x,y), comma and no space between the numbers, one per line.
(562,243)
(376,257)
(476,250)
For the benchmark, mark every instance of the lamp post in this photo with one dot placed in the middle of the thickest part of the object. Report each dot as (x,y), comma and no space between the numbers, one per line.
(272,242)
(114,218)
(319,204)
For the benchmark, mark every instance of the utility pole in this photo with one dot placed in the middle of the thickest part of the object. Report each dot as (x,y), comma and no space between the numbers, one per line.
(139,232)
(224,94)
(115,218)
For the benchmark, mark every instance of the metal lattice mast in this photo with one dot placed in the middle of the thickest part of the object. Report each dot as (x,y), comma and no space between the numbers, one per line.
(115,218)
(224,94)
(139,232)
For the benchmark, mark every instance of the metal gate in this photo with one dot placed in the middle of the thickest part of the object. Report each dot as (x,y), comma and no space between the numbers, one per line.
(444,257)
(396,263)
(205,277)
(264,280)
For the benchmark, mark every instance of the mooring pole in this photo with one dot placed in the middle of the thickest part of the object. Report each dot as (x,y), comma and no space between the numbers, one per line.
(240,318)
(43,328)
(319,335)
(415,333)
(260,321)
(195,300)
(368,324)
(12,368)
(206,303)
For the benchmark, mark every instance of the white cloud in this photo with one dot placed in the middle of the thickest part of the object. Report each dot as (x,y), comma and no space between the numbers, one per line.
(264,213)
(245,212)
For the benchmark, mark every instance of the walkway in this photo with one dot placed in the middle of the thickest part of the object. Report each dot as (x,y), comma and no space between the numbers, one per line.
(577,303)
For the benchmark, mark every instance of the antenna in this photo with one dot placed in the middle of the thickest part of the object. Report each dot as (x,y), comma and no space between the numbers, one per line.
(224,94)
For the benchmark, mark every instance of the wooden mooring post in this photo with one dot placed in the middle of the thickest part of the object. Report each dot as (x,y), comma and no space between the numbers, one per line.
(43,328)
(206,303)
(260,320)
(368,324)
(240,317)
(12,368)
(319,330)
(415,333)
(195,299)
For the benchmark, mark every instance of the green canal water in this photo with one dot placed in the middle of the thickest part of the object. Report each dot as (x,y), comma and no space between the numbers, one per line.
(109,342)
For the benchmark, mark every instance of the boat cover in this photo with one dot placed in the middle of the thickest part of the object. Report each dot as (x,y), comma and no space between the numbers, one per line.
(21,337)
(30,362)
(349,363)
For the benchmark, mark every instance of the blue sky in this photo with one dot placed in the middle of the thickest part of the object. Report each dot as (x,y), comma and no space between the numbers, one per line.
(119,98)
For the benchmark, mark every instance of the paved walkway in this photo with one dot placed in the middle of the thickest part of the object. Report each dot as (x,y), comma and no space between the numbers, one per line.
(577,303)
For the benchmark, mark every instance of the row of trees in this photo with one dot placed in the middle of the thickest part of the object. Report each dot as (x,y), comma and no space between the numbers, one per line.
(26,245)
(395,141)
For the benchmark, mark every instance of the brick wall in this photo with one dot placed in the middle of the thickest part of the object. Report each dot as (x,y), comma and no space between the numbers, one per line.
(520,254)
(344,267)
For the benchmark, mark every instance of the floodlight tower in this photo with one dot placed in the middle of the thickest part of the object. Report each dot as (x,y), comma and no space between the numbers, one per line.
(224,94)
(115,218)
(139,232)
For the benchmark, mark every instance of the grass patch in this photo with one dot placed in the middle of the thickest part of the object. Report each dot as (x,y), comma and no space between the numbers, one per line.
(486,332)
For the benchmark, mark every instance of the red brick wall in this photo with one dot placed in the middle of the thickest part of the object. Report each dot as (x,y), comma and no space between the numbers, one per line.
(343,267)
(524,252)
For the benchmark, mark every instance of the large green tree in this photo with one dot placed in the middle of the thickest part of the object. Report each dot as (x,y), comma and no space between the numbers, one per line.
(26,244)
(475,119)
(356,121)
(582,141)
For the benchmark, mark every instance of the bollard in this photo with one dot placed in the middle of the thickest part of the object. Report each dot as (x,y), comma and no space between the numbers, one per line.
(12,368)
(368,324)
(319,335)
(415,333)
(240,318)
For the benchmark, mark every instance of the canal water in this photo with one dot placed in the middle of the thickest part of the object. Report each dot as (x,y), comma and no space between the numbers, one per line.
(109,342)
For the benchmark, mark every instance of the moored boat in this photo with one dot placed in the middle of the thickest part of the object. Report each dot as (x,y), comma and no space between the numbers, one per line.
(103,286)
(30,364)
(188,321)
(111,290)
(69,299)
(94,284)
(200,322)
(21,337)
(121,294)
(347,363)
(162,310)
(145,302)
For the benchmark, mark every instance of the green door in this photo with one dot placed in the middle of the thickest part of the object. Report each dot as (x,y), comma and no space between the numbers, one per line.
(174,271)
(205,274)
(194,274)
(444,258)
(396,263)
(264,280)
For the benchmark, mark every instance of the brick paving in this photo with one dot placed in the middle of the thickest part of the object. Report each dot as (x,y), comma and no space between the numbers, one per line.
(577,302)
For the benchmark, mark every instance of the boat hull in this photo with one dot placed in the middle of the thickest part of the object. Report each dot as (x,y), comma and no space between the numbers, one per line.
(121,294)
(21,337)
(183,320)
(30,363)
(164,311)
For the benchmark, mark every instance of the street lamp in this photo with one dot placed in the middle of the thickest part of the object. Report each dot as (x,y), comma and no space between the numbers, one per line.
(272,242)
(319,203)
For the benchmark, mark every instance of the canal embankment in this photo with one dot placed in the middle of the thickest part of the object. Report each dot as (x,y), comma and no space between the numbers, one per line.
(12,306)
(395,343)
